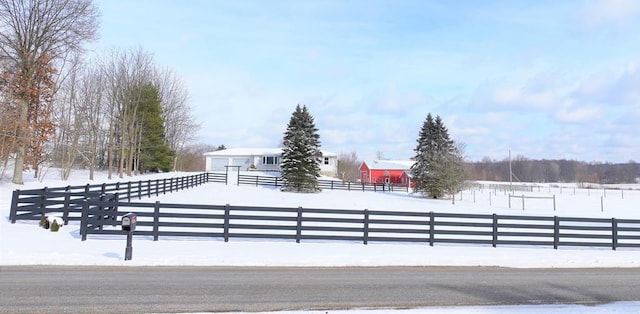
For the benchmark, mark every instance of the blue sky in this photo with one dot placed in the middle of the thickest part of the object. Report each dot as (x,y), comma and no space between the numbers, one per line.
(544,79)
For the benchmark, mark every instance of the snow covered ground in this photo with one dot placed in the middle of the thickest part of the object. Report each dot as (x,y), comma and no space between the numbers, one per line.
(24,243)
(618,307)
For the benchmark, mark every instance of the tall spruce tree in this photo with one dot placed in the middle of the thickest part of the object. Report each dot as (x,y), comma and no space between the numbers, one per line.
(301,153)
(438,163)
(155,153)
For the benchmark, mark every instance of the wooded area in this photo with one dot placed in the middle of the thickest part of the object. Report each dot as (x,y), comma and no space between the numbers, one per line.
(559,170)
(118,111)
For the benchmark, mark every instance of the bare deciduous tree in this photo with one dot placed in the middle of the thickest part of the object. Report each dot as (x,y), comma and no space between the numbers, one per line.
(180,126)
(31,30)
(348,167)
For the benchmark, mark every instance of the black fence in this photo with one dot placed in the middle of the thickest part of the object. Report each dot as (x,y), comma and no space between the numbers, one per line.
(100,207)
(67,202)
(298,224)
(273,181)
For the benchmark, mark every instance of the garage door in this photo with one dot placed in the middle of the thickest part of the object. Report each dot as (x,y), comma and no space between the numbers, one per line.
(242,162)
(217,164)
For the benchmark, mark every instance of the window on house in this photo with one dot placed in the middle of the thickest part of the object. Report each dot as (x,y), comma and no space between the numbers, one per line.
(326,160)
(269,160)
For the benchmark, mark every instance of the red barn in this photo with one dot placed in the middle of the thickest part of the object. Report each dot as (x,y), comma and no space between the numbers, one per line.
(385,171)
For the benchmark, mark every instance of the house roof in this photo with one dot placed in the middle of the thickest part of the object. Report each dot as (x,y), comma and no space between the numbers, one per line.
(245,152)
(254,152)
(389,164)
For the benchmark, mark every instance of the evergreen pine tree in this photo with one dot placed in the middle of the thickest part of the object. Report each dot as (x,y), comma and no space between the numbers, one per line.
(438,163)
(155,153)
(301,153)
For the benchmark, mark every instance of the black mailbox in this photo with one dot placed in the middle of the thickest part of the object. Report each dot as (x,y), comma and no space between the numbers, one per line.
(129,222)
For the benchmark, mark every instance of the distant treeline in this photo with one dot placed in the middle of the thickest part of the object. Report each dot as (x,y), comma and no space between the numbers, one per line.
(527,170)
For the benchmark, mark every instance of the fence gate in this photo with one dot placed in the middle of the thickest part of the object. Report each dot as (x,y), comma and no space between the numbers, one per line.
(98,212)
(232,175)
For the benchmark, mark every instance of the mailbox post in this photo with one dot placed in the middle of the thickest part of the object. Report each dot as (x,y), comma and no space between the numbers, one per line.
(129,222)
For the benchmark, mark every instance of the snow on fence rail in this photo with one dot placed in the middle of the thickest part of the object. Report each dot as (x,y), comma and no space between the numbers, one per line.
(299,224)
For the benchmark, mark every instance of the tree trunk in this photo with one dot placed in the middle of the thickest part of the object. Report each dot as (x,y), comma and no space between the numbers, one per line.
(21,142)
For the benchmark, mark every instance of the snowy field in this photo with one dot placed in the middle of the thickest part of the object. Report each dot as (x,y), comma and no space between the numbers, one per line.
(24,243)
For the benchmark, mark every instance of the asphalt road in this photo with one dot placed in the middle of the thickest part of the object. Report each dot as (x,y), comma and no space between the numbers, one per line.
(43,289)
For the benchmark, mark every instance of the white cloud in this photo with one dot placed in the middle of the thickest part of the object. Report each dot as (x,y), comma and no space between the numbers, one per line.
(597,13)
(579,115)
(523,98)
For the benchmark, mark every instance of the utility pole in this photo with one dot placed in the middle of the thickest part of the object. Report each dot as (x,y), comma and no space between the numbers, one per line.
(510,173)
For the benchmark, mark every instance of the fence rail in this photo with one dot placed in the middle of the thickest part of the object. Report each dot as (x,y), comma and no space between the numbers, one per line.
(100,207)
(273,181)
(67,201)
(299,224)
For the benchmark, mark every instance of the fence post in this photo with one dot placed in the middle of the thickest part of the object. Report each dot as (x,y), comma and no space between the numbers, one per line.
(84,219)
(614,233)
(43,198)
(157,186)
(509,200)
(522,201)
(100,211)
(103,188)
(366,227)
(554,202)
(67,199)
(226,223)
(156,220)
(129,191)
(148,188)
(139,189)
(299,225)
(431,228)
(556,232)
(164,186)
(494,241)
(114,209)
(14,206)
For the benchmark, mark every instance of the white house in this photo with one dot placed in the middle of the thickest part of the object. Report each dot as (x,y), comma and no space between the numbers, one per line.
(261,159)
